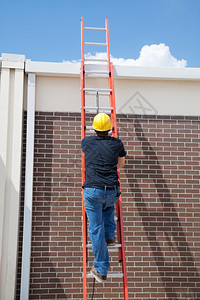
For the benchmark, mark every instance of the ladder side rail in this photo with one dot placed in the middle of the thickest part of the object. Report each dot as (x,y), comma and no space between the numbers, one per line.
(119,203)
(82,40)
(119,231)
(84,218)
(114,133)
(108,44)
(112,101)
(82,117)
(123,251)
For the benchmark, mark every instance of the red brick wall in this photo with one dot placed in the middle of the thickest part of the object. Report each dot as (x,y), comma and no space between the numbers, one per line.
(160,192)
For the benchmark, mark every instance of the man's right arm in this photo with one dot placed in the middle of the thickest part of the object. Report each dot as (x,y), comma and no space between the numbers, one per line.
(121,162)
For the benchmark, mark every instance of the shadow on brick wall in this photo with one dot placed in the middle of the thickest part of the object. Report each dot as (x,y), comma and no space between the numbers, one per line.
(161,224)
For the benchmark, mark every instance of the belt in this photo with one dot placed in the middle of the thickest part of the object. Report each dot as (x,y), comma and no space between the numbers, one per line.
(107,188)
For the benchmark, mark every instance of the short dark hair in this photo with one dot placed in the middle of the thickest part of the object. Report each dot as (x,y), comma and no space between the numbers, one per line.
(102,133)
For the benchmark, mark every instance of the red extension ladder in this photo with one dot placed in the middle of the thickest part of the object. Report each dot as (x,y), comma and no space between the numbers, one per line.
(103,68)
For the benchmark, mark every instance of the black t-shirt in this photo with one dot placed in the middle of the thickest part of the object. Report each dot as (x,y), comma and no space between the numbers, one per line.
(101,158)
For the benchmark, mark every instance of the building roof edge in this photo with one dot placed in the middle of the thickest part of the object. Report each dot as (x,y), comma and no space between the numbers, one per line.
(68,69)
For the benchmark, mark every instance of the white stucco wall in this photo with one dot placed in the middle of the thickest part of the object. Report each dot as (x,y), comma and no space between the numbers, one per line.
(139,96)
(57,94)
(140,90)
(160,97)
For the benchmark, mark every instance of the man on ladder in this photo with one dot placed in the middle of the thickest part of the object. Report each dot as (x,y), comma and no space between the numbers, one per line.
(104,154)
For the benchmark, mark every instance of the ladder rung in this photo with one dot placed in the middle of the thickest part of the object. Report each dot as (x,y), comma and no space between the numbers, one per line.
(109,275)
(89,246)
(97,90)
(95,44)
(92,110)
(96,107)
(96,72)
(89,129)
(97,76)
(95,28)
(95,59)
(100,94)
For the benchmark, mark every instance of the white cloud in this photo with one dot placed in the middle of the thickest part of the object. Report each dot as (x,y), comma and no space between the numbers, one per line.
(150,56)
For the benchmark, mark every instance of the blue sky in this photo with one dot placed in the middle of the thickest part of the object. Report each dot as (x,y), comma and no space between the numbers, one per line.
(49,30)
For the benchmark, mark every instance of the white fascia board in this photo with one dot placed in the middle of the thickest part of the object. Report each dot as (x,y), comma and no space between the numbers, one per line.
(137,72)
(53,69)
(68,69)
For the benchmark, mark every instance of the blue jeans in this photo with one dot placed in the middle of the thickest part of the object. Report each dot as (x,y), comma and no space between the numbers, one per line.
(100,210)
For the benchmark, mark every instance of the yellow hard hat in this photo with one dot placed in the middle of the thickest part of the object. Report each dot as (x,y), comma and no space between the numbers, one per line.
(102,122)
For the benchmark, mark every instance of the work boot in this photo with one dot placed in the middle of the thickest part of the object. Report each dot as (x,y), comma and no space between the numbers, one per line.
(97,276)
(110,242)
